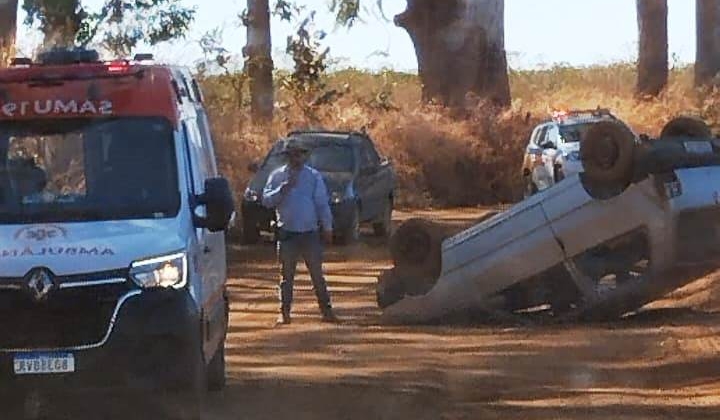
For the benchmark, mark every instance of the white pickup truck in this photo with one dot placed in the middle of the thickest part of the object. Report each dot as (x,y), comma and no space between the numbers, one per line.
(639,221)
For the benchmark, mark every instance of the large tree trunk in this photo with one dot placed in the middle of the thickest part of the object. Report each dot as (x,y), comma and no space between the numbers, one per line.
(460,47)
(258,63)
(8,28)
(652,17)
(707,61)
(61,22)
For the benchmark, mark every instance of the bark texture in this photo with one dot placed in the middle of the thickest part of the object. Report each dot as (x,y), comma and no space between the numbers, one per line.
(258,60)
(652,17)
(707,61)
(8,29)
(460,48)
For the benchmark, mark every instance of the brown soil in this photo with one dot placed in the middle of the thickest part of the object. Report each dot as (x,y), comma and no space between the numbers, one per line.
(661,364)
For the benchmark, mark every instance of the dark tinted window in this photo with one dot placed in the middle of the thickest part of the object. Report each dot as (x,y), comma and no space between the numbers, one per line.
(324,158)
(68,170)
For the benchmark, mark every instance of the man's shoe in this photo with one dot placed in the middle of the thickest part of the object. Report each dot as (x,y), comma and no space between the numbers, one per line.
(284,319)
(329,317)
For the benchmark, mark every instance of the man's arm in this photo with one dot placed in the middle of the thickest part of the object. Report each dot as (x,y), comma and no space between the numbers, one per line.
(275,190)
(322,204)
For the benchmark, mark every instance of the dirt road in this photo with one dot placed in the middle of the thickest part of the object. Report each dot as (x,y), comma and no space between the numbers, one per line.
(664,364)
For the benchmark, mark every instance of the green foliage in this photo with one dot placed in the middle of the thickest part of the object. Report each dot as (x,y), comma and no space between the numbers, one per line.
(118,26)
(346,11)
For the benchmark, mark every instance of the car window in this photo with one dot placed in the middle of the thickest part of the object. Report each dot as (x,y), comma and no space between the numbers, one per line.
(208,149)
(541,135)
(369,157)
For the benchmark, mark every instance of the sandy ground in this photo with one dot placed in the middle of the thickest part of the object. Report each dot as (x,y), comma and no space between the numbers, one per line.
(663,364)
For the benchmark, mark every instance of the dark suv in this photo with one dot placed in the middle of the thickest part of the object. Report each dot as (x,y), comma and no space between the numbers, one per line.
(360,183)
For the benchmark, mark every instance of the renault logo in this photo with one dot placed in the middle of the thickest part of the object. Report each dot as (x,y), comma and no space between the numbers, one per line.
(40,284)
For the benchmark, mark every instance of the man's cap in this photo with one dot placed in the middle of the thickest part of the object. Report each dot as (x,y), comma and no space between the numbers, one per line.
(294,145)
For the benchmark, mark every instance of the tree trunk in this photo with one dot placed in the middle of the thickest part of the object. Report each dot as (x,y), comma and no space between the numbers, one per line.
(652,17)
(707,61)
(8,28)
(460,47)
(258,63)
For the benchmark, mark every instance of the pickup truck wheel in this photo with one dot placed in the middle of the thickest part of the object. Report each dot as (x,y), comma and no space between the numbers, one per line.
(686,126)
(383,227)
(250,232)
(350,234)
(607,153)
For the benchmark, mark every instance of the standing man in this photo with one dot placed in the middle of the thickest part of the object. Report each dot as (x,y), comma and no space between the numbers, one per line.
(299,196)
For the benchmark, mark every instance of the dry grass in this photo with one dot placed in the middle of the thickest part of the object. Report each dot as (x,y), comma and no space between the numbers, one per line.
(444,159)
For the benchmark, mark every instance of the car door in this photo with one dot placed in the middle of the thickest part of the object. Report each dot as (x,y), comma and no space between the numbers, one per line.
(211,252)
(370,186)
(533,151)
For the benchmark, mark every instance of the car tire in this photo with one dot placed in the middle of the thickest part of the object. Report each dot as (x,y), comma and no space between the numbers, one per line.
(350,234)
(686,126)
(216,370)
(188,401)
(607,153)
(530,189)
(383,227)
(250,232)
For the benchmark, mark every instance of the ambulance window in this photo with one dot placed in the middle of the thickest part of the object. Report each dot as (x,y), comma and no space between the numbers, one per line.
(198,164)
(207,146)
(196,90)
(188,92)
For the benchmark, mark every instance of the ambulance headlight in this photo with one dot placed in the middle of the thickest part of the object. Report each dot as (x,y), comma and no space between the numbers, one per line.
(164,272)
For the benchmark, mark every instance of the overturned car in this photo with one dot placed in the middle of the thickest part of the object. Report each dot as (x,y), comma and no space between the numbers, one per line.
(641,220)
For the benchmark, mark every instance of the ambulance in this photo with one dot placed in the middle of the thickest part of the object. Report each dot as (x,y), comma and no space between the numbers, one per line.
(112,220)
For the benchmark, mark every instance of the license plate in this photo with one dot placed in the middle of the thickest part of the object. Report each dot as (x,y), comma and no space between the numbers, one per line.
(43,363)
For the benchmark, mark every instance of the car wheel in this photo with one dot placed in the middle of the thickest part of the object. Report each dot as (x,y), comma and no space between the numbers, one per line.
(383,227)
(216,370)
(607,153)
(530,188)
(250,232)
(686,126)
(188,402)
(351,234)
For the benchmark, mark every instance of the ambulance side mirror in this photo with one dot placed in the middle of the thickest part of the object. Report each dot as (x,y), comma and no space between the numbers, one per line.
(219,205)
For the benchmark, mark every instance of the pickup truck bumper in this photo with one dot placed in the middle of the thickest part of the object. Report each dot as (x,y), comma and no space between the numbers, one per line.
(152,346)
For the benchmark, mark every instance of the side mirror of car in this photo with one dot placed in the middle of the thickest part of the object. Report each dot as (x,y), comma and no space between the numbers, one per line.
(253,167)
(385,161)
(219,205)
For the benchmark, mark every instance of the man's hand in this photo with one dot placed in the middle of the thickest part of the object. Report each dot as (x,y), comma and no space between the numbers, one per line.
(327,236)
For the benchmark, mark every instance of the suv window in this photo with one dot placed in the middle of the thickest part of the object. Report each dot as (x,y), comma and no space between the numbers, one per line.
(541,135)
(369,157)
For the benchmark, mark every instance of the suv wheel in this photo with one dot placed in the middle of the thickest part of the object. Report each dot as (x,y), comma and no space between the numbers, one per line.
(250,232)
(351,234)
(383,227)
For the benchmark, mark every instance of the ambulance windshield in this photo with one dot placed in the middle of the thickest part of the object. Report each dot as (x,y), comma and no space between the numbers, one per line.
(61,170)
